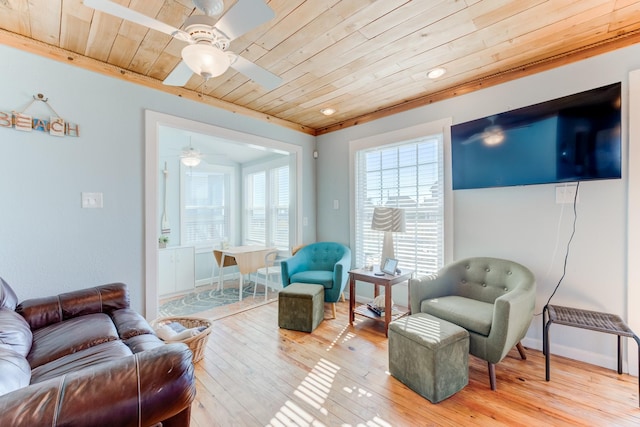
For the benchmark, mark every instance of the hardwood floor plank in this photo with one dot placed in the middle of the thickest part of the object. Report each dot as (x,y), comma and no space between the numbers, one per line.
(256,374)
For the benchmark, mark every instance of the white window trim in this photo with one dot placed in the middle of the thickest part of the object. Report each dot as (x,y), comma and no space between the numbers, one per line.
(442,126)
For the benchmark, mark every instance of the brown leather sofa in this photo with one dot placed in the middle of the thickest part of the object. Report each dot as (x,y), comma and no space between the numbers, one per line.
(84,358)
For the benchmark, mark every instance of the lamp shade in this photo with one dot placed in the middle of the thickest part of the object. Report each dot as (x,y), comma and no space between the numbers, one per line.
(206,60)
(388,219)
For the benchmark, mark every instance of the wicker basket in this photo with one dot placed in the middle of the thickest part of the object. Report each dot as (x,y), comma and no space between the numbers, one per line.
(196,343)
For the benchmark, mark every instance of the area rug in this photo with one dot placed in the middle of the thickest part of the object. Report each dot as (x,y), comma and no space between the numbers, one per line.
(197,302)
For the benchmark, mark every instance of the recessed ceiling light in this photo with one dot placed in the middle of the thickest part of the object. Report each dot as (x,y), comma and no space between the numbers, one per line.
(436,72)
(327,111)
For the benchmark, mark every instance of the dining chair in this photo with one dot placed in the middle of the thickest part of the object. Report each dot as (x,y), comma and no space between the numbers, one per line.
(271,268)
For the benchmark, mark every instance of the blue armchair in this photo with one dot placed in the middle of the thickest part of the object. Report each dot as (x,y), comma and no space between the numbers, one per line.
(322,263)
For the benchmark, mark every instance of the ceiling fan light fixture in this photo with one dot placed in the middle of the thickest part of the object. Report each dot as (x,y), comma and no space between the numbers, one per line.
(210,7)
(436,72)
(206,60)
(493,135)
(190,157)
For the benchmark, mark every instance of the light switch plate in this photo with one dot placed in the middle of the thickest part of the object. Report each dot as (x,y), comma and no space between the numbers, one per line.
(92,200)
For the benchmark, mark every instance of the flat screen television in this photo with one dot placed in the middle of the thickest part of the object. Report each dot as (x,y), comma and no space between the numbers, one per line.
(573,138)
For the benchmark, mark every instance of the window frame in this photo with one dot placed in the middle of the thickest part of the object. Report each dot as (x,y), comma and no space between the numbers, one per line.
(442,127)
(230,200)
(268,167)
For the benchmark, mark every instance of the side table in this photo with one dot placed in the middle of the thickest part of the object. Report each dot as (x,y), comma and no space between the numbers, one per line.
(386,281)
(585,319)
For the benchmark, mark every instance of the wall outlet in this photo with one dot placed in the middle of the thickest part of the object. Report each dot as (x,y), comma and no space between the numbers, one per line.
(566,193)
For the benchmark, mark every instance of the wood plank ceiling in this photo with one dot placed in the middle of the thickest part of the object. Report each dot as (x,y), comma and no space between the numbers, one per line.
(363,58)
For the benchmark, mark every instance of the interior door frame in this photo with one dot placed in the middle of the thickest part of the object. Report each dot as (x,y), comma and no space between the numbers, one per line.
(153,121)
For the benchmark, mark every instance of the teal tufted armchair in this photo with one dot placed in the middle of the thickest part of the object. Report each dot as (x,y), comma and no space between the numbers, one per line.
(321,263)
(491,298)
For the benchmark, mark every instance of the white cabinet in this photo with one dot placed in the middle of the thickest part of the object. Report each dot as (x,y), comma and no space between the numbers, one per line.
(176,271)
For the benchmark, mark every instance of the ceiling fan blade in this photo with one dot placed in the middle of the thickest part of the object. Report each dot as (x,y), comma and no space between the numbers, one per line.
(179,76)
(256,73)
(244,16)
(131,15)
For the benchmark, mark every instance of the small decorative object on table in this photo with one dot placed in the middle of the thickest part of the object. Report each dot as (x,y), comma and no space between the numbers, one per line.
(192,331)
(390,266)
(162,241)
(377,305)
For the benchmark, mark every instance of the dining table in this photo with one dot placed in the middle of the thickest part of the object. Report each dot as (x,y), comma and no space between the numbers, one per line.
(248,258)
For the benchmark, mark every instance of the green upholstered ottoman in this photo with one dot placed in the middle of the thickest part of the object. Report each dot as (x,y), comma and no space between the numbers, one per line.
(301,307)
(429,355)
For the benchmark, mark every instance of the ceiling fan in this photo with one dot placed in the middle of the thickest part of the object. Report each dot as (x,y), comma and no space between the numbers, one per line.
(208,39)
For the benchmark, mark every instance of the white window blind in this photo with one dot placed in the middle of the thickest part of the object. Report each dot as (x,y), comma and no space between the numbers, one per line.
(408,175)
(280,207)
(267,207)
(256,208)
(205,213)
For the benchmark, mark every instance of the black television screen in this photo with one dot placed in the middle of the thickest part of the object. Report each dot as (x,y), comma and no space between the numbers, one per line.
(573,138)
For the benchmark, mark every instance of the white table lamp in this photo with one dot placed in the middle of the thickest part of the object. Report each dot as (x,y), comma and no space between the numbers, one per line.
(389,220)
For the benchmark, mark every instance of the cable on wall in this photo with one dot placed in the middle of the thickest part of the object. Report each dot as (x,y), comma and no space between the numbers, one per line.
(566,255)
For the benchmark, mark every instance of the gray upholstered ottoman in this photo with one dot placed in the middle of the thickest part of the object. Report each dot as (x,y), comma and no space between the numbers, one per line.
(301,307)
(429,355)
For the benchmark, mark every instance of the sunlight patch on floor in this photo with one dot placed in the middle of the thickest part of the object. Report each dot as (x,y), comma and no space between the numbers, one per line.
(347,337)
(313,392)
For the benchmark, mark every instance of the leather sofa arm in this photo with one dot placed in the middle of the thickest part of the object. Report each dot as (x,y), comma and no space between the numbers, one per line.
(40,312)
(144,389)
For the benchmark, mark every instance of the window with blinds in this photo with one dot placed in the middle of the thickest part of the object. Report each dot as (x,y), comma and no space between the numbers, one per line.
(280,207)
(205,216)
(407,175)
(267,207)
(256,208)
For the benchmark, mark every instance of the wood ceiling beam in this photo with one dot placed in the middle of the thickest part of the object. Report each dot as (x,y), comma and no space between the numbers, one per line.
(617,42)
(62,55)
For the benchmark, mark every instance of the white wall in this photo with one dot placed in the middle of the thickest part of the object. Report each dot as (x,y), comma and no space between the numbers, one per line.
(522,223)
(48,244)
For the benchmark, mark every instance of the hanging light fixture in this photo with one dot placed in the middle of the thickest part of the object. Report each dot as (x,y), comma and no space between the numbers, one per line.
(190,156)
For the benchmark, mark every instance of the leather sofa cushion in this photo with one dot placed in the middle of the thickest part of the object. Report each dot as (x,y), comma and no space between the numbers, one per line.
(86,358)
(41,312)
(142,343)
(473,315)
(130,324)
(69,336)
(15,372)
(317,277)
(8,298)
(14,332)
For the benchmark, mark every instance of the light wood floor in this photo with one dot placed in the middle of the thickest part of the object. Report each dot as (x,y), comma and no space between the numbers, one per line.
(255,374)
